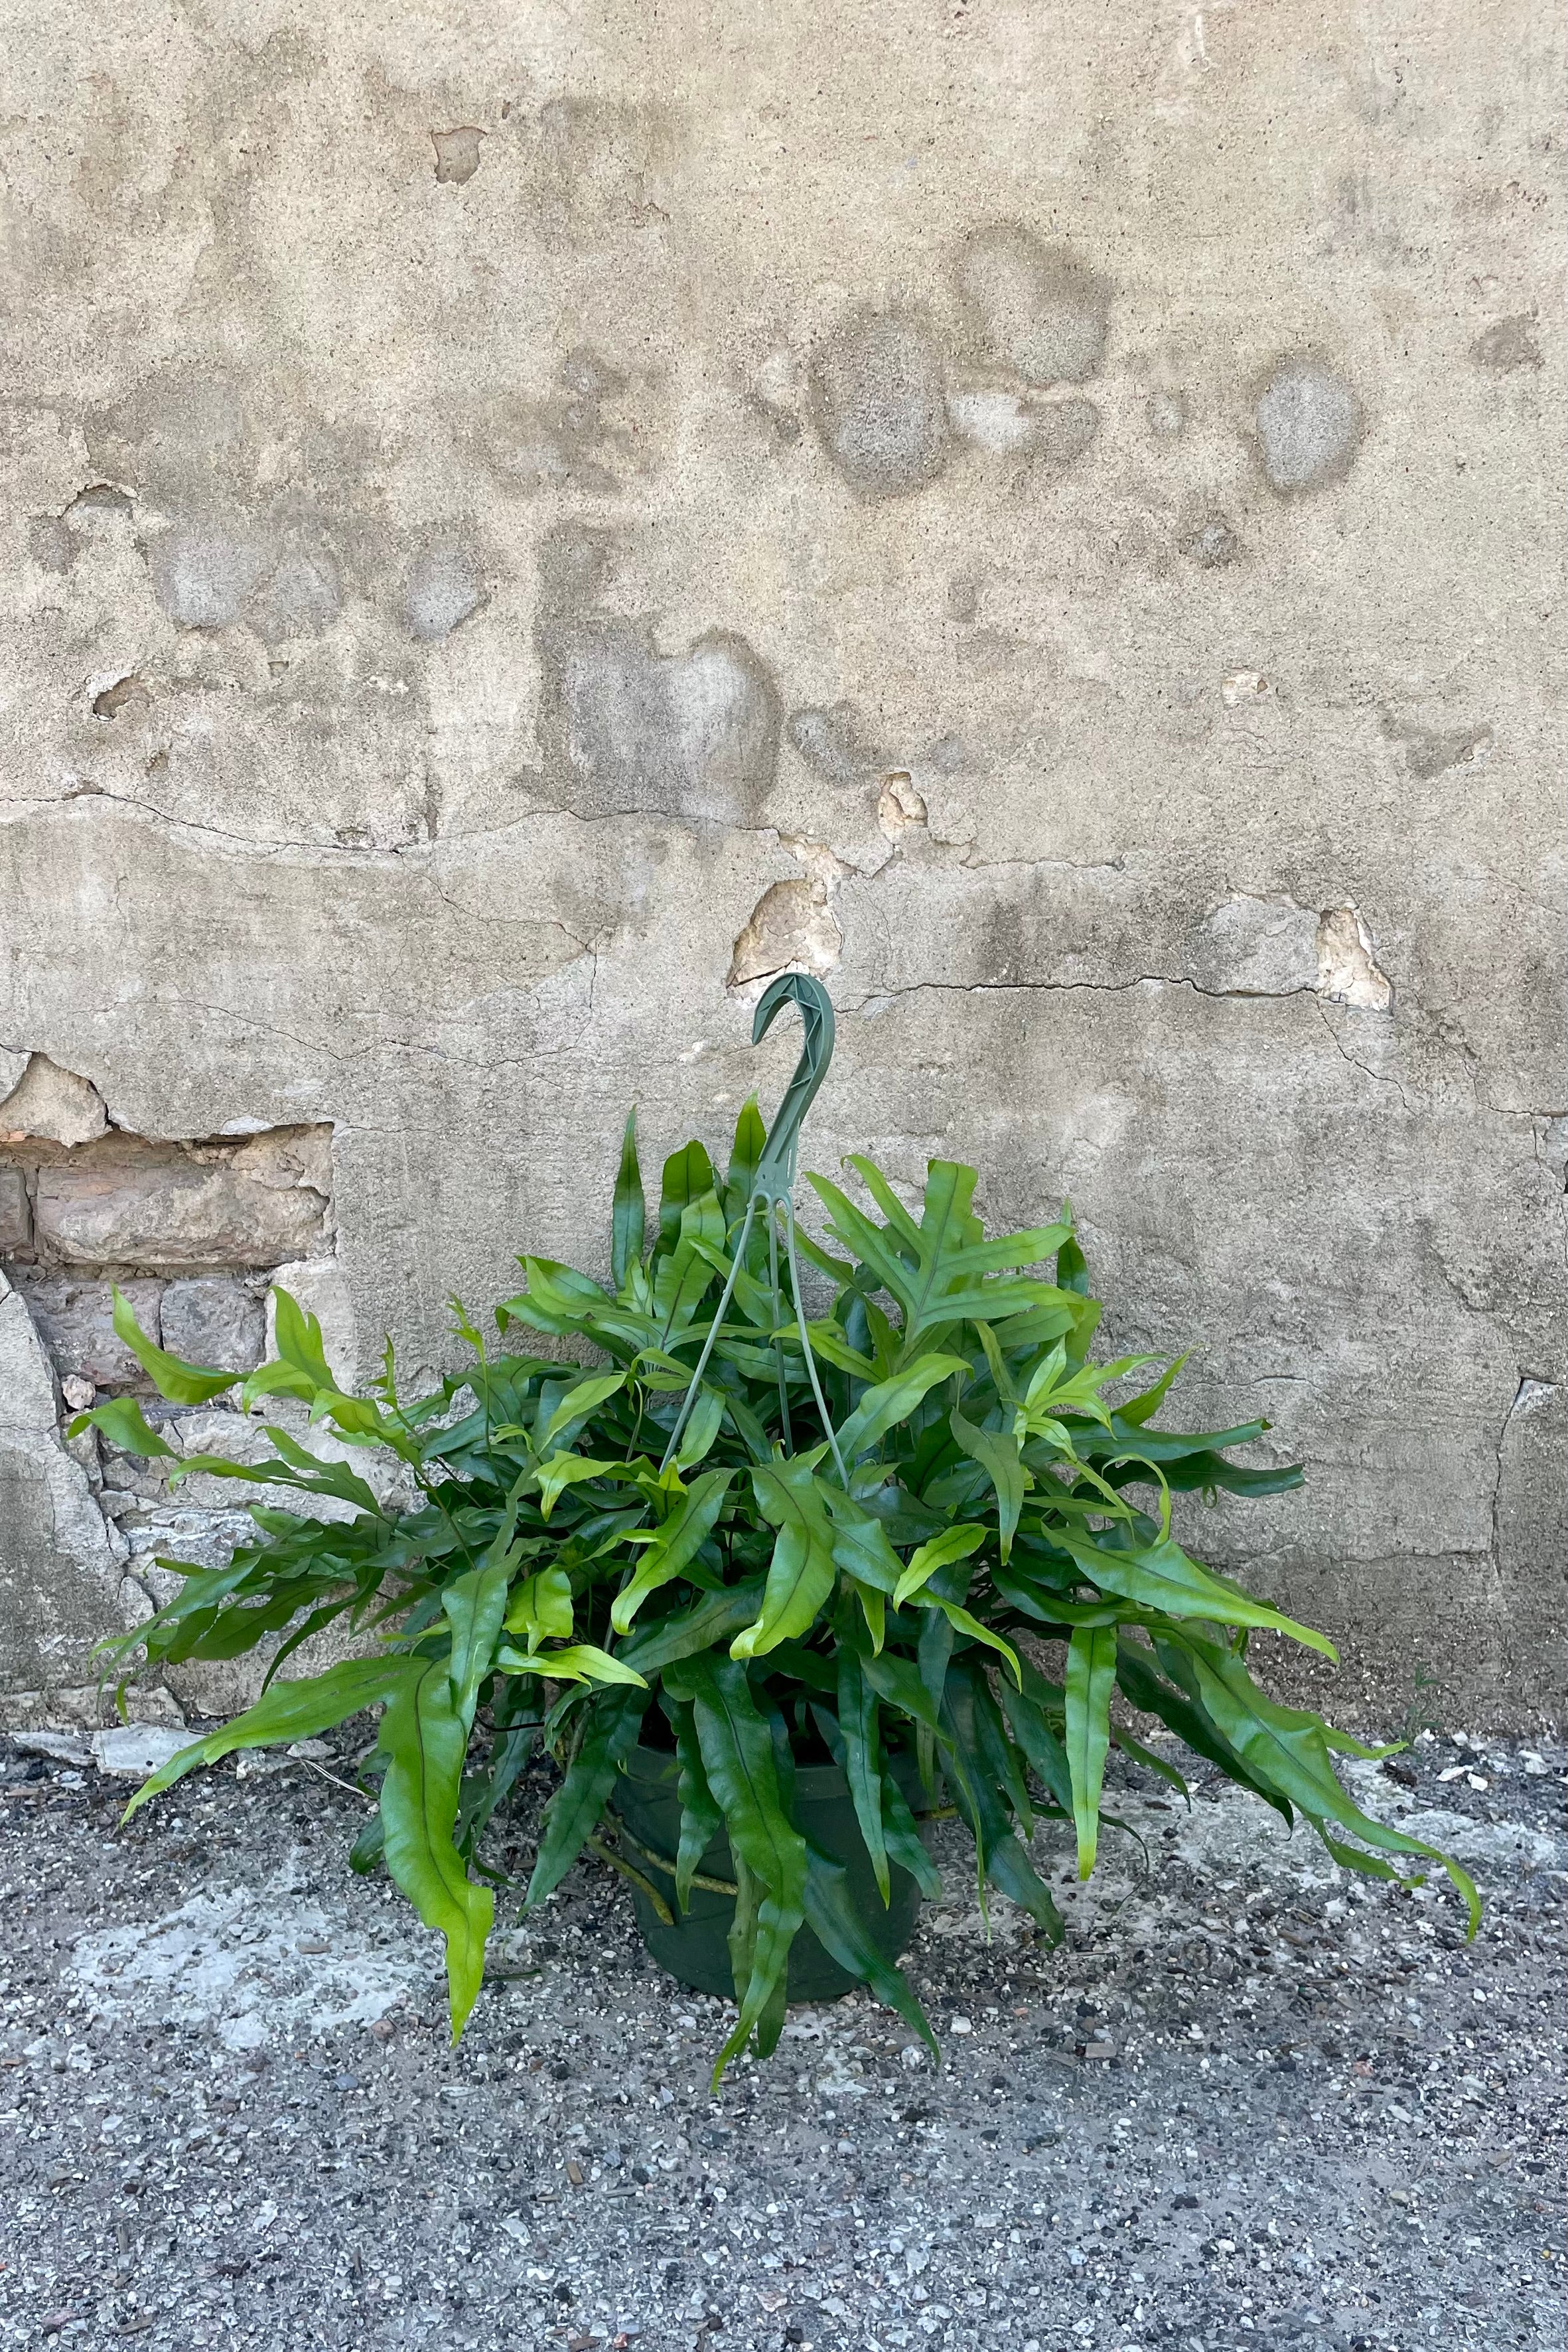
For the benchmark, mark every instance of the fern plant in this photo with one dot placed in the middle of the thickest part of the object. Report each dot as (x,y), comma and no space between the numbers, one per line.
(864,1532)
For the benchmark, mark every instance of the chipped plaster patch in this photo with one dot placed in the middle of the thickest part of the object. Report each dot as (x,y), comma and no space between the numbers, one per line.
(898,806)
(1347,969)
(792,928)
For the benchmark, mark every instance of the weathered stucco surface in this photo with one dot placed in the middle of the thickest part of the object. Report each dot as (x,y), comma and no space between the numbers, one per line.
(520,520)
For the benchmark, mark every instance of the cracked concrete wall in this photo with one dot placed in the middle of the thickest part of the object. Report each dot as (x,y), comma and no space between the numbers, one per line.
(519,521)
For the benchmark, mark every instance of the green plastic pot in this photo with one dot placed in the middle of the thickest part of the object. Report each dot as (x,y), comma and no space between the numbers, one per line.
(695,1948)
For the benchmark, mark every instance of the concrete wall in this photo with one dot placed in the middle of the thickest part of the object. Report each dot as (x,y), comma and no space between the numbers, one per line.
(521,521)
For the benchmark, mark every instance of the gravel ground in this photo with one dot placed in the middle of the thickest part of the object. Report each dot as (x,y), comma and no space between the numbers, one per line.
(1250,2103)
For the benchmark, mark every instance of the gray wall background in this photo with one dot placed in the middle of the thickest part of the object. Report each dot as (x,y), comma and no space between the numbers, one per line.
(521,521)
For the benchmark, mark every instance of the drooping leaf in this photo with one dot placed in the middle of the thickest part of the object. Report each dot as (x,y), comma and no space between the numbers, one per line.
(1180,1712)
(181,1382)
(839,1929)
(800,1573)
(1162,1577)
(860,1725)
(475,1606)
(1090,1678)
(122,1423)
(1002,1763)
(934,1649)
(961,1621)
(861,1547)
(1001,1858)
(906,1846)
(424,1740)
(737,1754)
(701,1818)
(289,1711)
(899,1682)
(1288,1748)
(295,1465)
(1032,1730)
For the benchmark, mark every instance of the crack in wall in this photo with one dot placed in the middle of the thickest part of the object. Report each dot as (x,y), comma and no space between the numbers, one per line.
(1066,987)
(1533,1390)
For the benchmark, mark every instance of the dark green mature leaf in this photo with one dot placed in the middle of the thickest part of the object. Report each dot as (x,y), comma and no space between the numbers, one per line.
(707,1625)
(893,1401)
(899,1682)
(688,1175)
(424,1740)
(860,1724)
(1002,1859)
(573,1813)
(701,1818)
(934,1649)
(861,1547)
(629,1211)
(1000,1760)
(1031,1728)
(1090,1678)
(1072,1267)
(289,1711)
(738,1757)
(843,1935)
(904,1844)
(1180,1712)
